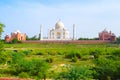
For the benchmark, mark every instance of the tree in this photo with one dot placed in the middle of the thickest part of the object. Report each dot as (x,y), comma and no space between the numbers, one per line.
(15,40)
(32,38)
(1,43)
(118,40)
(1,29)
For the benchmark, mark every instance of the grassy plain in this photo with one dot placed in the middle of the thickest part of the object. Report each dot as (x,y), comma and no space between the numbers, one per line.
(58,51)
(60,55)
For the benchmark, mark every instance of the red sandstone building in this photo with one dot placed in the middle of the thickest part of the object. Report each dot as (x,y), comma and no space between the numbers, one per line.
(107,35)
(15,35)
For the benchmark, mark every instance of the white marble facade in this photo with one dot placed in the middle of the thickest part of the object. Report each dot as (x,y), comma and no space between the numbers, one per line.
(59,32)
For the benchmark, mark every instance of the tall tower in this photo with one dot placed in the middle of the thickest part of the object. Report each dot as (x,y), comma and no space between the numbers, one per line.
(48,34)
(73,31)
(40,35)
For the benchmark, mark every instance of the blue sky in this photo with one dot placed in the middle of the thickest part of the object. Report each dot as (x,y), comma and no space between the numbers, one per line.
(89,16)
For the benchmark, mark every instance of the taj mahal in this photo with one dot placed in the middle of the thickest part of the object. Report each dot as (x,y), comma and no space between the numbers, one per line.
(58,32)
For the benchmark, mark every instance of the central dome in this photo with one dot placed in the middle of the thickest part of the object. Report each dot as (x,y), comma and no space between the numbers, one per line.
(59,25)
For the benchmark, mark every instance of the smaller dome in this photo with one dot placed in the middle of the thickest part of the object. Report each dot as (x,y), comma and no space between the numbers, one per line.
(59,25)
(17,31)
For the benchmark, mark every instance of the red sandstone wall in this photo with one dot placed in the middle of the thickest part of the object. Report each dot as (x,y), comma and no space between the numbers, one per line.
(70,41)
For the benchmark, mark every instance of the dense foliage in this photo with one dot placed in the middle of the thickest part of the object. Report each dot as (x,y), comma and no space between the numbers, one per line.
(1,29)
(2,55)
(88,39)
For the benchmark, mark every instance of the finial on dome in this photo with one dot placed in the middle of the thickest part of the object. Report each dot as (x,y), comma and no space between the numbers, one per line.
(59,19)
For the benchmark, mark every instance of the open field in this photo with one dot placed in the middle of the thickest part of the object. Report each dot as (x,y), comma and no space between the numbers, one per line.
(57,55)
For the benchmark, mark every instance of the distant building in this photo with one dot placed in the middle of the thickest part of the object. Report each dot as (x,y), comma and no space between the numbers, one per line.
(15,35)
(59,32)
(107,35)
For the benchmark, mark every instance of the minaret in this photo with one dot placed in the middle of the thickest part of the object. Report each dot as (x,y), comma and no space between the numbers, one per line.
(73,31)
(48,34)
(40,35)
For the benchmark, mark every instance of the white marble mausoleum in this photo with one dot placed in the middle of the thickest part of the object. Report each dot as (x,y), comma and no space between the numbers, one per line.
(59,32)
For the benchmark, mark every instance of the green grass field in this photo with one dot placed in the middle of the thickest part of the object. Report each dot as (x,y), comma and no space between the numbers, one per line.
(58,51)
(58,55)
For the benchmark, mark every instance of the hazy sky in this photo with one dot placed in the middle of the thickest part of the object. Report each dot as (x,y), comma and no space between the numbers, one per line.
(89,16)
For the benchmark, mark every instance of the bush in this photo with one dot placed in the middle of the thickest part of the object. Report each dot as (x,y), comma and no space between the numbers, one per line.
(60,53)
(33,67)
(95,53)
(1,46)
(19,41)
(37,52)
(15,50)
(3,58)
(74,59)
(27,52)
(111,57)
(6,71)
(116,52)
(40,53)
(85,58)
(76,73)
(16,41)
(16,57)
(23,75)
(49,60)
(106,68)
(52,52)
(73,54)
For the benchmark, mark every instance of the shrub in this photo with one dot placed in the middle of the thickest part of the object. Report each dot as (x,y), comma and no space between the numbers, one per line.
(37,52)
(106,69)
(76,73)
(40,53)
(19,41)
(3,58)
(96,53)
(52,52)
(1,46)
(60,53)
(16,57)
(78,55)
(16,41)
(6,71)
(33,67)
(73,54)
(85,58)
(116,52)
(49,60)
(111,57)
(15,50)
(23,75)
(74,59)
(27,52)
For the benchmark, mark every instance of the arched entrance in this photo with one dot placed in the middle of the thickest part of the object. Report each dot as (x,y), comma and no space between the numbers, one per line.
(58,35)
